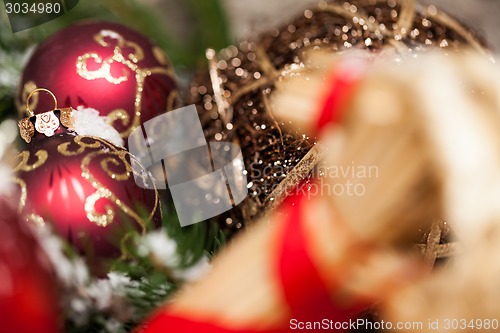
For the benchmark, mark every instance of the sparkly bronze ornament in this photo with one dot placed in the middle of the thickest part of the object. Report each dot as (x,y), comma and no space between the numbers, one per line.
(233,96)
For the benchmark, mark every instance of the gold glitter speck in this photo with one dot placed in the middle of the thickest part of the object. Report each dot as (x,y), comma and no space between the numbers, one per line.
(444,43)
(239,72)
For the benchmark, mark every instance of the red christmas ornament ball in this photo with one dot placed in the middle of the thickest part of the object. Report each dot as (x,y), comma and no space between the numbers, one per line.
(105,66)
(28,292)
(85,188)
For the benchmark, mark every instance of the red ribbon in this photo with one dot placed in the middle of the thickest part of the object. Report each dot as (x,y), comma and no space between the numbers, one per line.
(167,323)
(304,290)
(341,87)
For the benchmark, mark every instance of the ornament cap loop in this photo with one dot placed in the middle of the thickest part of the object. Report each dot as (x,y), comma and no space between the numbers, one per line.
(31,112)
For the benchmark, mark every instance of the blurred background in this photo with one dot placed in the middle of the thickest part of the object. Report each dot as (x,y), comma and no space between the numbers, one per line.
(185,28)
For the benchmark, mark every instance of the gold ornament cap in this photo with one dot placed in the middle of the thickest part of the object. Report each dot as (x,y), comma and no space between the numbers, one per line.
(47,123)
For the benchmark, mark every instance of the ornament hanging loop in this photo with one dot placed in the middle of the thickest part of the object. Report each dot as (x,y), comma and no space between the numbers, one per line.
(31,112)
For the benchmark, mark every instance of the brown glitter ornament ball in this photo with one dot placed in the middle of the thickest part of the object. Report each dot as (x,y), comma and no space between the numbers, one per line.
(232,97)
(105,66)
(84,187)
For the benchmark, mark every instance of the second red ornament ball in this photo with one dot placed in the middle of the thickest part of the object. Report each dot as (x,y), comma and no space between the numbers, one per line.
(105,66)
(84,188)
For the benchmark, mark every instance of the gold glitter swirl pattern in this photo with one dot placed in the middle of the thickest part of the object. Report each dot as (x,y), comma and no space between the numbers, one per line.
(135,56)
(115,157)
(104,72)
(101,220)
(64,150)
(23,165)
(120,115)
(27,89)
(111,160)
(106,38)
(160,55)
(35,218)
